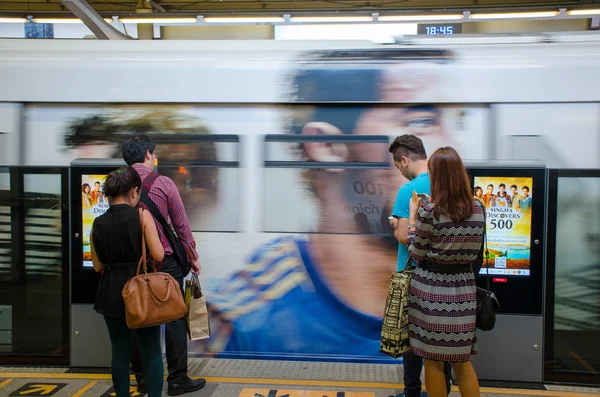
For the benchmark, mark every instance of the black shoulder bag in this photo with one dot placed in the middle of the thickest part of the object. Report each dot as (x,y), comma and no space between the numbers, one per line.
(487,303)
(179,253)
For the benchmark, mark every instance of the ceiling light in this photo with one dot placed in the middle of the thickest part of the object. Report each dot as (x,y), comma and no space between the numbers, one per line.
(159,20)
(63,20)
(243,19)
(515,15)
(13,20)
(583,12)
(405,18)
(56,20)
(332,19)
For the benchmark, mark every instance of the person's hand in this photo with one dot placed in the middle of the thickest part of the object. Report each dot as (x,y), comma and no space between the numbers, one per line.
(394,223)
(196,267)
(414,209)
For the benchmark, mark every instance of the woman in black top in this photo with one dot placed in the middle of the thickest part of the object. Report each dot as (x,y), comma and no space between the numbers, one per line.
(116,244)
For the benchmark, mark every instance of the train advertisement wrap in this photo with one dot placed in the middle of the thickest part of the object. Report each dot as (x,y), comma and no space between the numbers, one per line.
(316,251)
(297,255)
(508,211)
(93,204)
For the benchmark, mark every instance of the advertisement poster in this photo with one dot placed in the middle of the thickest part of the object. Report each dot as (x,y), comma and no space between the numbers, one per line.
(508,212)
(93,204)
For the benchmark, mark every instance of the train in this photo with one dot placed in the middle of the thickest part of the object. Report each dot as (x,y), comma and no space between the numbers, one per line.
(280,152)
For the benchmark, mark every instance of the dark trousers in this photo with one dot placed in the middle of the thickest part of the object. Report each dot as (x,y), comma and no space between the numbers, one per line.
(412,374)
(120,341)
(176,337)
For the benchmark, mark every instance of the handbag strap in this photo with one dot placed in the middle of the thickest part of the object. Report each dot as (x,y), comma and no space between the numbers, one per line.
(167,295)
(486,252)
(195,283)
(143,259)
(484,246)
(409,261)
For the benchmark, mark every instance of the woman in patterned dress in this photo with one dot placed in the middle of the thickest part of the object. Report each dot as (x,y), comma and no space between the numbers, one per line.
(445,238)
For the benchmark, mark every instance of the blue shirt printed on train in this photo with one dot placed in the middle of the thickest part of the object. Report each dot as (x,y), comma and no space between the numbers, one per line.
(421,185)
(279,305)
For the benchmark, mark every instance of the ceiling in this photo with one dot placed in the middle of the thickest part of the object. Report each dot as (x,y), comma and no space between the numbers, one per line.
(202,7)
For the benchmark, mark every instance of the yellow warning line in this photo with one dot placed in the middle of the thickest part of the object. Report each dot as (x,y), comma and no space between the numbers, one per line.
(544,393)
(39,375)
(85,388)
(292,382)
(307,382)
(6,382)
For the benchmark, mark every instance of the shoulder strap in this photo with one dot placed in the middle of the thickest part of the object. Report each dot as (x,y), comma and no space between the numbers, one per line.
(144,198)
(149,181)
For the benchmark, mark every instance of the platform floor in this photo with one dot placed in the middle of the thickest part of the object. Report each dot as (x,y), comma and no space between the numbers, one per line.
(249,378)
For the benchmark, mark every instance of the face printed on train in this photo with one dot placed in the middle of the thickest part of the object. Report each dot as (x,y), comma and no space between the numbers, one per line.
(360,200)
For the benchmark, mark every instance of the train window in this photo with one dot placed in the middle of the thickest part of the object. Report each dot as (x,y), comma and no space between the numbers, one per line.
(205,169)
(280,149)
(5,229)
(301,174)
(192,145)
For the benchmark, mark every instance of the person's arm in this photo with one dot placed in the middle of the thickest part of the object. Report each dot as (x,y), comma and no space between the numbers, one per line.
(181,224)
(157,251)
(402,212)
(98,266)
(420,231)
(401,232)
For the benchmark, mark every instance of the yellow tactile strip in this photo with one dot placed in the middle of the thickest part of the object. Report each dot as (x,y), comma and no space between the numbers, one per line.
(288,386)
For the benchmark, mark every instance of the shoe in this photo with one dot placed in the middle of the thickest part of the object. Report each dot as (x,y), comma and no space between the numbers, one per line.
(187,386)
(141,387)
(423,394)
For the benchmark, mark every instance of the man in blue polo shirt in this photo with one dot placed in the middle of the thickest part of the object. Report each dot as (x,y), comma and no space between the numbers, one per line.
(410,158)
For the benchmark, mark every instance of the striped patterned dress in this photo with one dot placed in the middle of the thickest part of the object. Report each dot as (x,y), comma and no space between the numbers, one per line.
(442,299)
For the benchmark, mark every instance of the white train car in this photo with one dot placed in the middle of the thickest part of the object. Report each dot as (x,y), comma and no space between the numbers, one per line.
(245,128)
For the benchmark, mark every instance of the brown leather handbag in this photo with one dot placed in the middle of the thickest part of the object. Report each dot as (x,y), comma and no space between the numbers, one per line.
(152,298)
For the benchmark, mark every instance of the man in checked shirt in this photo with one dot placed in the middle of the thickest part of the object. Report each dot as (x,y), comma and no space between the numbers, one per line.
(138,151)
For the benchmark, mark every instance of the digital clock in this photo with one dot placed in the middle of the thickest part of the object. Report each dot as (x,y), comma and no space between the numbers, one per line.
(439,29)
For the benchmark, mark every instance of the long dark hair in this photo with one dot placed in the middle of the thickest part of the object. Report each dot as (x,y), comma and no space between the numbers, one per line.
(121,181)
(450,187)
